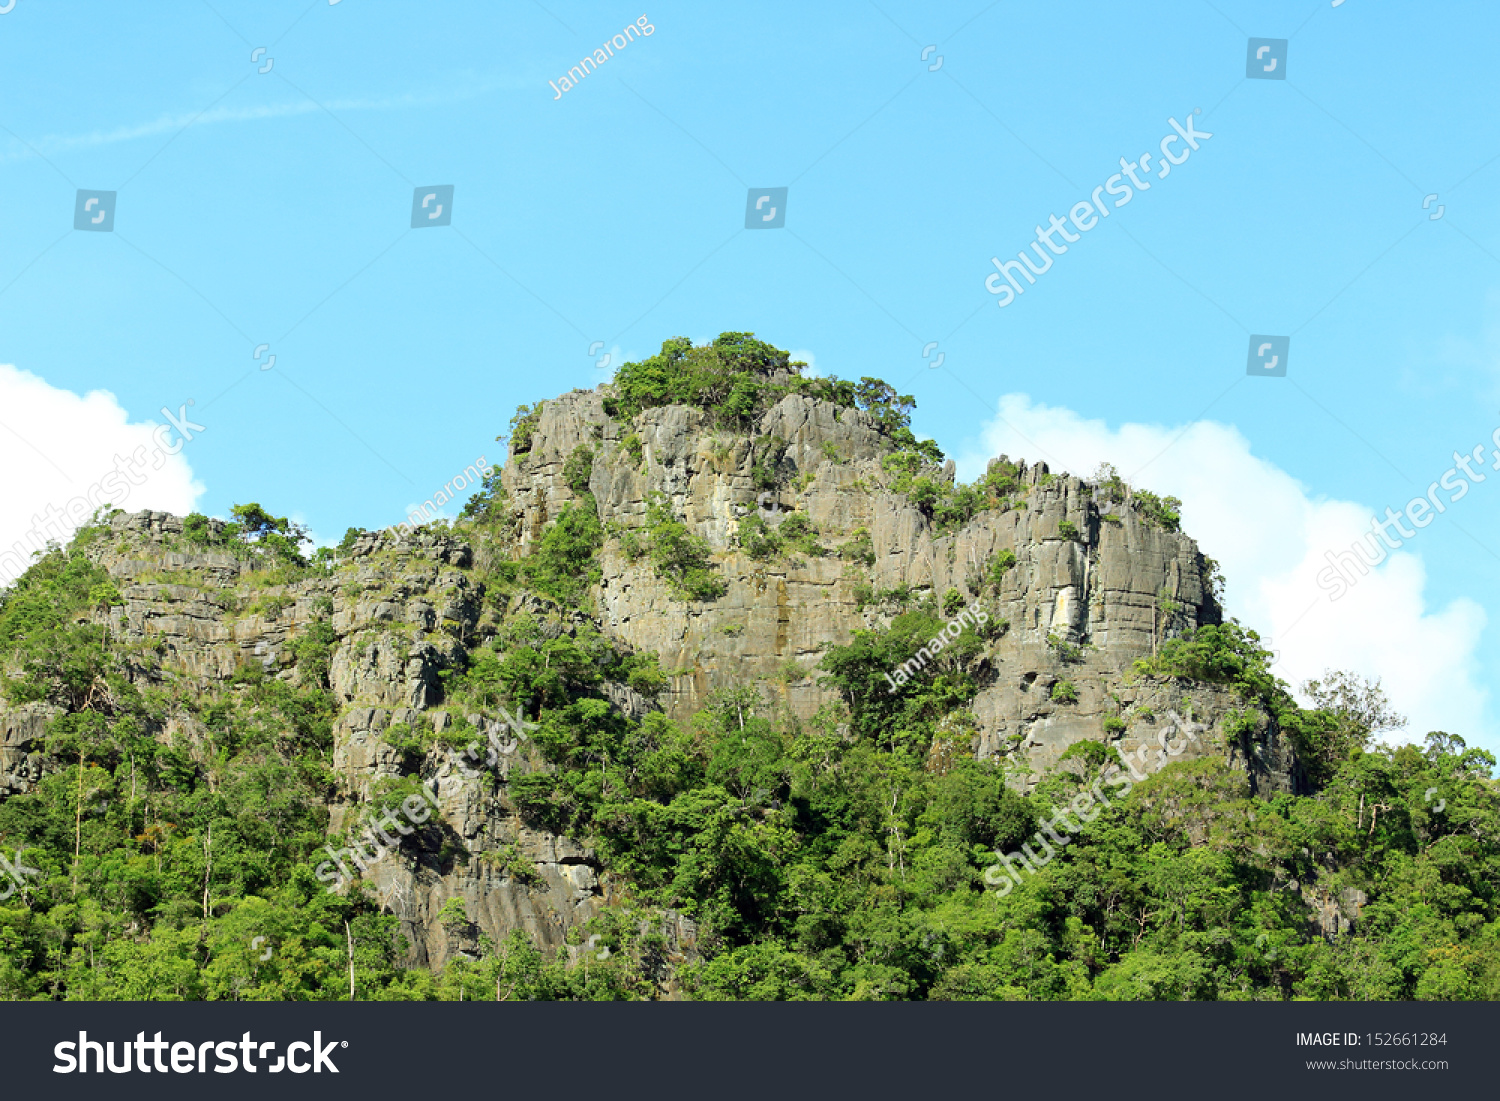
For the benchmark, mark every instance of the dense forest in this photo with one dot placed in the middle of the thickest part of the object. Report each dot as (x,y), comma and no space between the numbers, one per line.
(846,856)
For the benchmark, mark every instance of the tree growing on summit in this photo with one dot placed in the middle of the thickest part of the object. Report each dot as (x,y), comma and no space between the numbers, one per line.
(279,535)
(736,378)
(1359,707)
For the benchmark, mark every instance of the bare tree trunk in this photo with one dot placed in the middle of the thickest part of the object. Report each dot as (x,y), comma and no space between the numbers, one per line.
(350,935)
(78,821)
(130,806)
(898,848)
(208,866)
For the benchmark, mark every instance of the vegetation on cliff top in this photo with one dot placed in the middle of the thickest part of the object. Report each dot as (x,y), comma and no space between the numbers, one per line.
(176,819)
(838,858)
(736,378)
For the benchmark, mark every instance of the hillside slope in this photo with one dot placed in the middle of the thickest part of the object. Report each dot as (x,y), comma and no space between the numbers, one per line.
(663,715)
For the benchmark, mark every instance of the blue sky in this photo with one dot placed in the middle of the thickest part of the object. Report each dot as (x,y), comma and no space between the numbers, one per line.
(274,208)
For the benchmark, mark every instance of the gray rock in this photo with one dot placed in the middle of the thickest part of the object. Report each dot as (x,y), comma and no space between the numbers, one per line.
(1080,604)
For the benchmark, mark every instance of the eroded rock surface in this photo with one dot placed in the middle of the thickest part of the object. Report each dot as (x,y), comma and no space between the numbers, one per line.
(1094,586)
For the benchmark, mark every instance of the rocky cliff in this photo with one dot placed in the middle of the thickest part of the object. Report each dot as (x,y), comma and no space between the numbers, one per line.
(1094,586)
(1079,582)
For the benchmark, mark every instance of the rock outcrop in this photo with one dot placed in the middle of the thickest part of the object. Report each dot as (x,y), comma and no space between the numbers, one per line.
(1093,586)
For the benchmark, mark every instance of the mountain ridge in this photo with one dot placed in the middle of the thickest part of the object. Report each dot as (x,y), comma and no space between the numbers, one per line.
(670,622)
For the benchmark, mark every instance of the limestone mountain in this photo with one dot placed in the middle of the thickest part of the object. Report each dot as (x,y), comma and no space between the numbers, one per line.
(670,683)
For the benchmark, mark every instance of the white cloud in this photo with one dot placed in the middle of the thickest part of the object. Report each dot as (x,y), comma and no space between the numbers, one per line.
(1271,535)
(315,540)
(56,447)
(811,370)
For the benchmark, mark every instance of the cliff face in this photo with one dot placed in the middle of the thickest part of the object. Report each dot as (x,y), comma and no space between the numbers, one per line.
(1109,588)
(1093,587)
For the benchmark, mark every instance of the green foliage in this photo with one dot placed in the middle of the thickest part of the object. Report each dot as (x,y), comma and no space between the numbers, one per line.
(1068,530)
(564,563)
(1064,691)
(197,530)
(1348,712)
(1215,577)
(679,557)
(949,506)
(1108,485)
(1092,755)
(903,465)
(631,543)
(525,668)
(766,454)
(1065,650)
(104,595)
(800,536)
(730,377)
(120,827)
(736,378)
(509,861)
(1239,725)
(452,914)
(642,672)
(523,427)
(863,671)
(410,742)
(270,605)
(633,447)
(491,503)
(1163,512)
(255,526)
(860,548)
(759,539)
(578,469)
(313,651)
(1218,653)
(56,658)
(1004,560)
